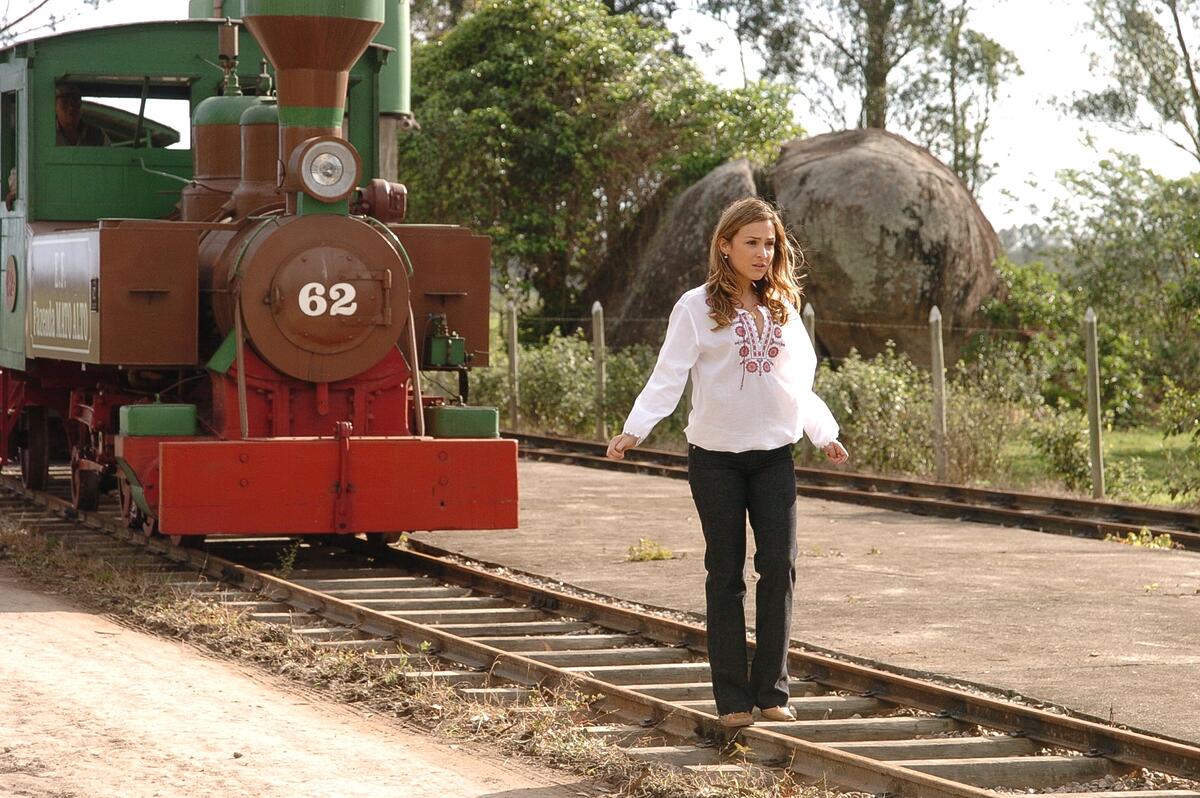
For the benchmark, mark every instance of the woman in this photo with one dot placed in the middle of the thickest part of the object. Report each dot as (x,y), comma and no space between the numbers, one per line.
(752,366)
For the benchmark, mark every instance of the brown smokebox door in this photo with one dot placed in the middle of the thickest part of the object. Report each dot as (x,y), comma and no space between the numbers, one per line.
(452,274)
(148,294)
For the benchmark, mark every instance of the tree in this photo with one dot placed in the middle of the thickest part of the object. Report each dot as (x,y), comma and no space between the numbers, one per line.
(1134,238)
(27,18)
(654,10)
(948,106)
(1153,84)
(907,65)
(432,18)
(548,124)
(831,48)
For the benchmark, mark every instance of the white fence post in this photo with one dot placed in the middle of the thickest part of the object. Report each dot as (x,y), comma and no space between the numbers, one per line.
(598,352)
(514,392)
(1093,392)
(938,371)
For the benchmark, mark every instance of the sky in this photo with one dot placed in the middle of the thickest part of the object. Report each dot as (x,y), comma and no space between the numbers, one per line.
(1029,136)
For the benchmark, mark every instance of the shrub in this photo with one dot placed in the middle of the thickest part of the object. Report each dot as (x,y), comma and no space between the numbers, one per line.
(883,408)
(558,387)
(1048,360)
(1061,438)
(977,423)
(627,371)
(1179,414)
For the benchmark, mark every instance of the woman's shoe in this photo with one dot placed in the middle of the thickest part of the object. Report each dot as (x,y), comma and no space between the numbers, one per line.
(781,714)
(736,720)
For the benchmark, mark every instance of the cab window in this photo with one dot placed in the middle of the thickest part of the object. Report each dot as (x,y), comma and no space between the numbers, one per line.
(151,113)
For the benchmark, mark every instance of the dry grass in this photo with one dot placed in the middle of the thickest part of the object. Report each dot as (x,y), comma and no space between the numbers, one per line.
(549,729)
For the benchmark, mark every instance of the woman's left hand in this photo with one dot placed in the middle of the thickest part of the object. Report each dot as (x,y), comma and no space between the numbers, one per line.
(836,453)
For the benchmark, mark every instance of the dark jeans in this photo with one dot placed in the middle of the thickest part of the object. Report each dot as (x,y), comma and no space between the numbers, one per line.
(727,487)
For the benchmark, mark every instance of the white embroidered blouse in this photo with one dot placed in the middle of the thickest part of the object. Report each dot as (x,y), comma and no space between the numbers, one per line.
(749,390)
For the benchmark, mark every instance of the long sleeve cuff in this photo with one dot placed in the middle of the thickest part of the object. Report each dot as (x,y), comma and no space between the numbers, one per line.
(819,423)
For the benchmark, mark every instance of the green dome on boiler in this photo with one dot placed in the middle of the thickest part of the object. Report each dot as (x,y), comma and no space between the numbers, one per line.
(223,110)
(265,112)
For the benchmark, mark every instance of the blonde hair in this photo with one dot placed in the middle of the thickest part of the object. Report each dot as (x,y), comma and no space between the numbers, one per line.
(780,286)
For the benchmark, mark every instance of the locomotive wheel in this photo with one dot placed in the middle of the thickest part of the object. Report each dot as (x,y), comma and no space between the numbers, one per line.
(186,541)
(85,488)
(35,453)
(130,514)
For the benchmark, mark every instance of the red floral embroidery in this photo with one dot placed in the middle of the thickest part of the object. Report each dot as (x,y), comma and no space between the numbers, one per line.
(757,352)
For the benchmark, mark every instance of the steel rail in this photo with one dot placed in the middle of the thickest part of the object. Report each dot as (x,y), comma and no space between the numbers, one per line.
(1056,514)
(810,759)
(1132,748)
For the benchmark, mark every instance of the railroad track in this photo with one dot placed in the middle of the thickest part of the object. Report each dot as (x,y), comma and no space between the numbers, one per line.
(1057,514)
(501,640)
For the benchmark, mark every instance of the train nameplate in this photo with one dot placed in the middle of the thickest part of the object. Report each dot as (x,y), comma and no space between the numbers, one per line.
(63,272)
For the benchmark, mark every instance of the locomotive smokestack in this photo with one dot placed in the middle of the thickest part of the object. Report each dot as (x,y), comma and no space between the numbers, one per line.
(312,45)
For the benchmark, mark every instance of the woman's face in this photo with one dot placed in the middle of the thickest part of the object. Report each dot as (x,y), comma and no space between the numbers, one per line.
(751,251)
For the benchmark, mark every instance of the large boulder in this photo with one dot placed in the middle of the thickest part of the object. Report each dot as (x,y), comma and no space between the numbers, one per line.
(889,231)
(666,254)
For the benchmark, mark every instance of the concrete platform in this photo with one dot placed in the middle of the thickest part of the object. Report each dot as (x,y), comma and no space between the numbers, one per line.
(1105,629)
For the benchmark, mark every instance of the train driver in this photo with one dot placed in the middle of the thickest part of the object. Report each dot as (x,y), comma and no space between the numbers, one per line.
(70,128)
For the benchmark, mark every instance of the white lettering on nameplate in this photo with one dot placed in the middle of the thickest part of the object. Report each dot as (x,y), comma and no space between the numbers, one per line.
(68,321)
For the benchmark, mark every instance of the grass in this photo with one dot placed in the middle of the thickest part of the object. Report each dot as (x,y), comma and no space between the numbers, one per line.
(1144,539)
(647,550)
(549,729)
(1028,470)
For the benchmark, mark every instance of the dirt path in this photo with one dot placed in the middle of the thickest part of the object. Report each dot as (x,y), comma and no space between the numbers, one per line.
(92,709)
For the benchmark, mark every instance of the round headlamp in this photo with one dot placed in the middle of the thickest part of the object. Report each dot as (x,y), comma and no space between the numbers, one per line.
(328,169)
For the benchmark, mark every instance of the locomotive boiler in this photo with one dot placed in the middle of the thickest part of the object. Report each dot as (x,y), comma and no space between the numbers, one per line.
(245,360)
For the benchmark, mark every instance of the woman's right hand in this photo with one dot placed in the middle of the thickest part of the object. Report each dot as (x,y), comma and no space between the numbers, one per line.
(618,445)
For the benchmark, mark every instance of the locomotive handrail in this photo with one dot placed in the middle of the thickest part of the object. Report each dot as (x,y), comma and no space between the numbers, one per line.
(394,240)
(185,180)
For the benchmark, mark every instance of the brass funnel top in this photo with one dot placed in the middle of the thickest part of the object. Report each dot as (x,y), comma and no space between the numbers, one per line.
(313,44)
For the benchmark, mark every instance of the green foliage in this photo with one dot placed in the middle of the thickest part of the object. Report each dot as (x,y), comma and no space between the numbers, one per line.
(1144,539)
(1046,360)
(1179,413)
(1135,247)
(949,104)
(558,388)
(883,408)
(648,550)
(431,18)
(1147,65)
(286,560)
(1061,438)
(548,124)
(906,64)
